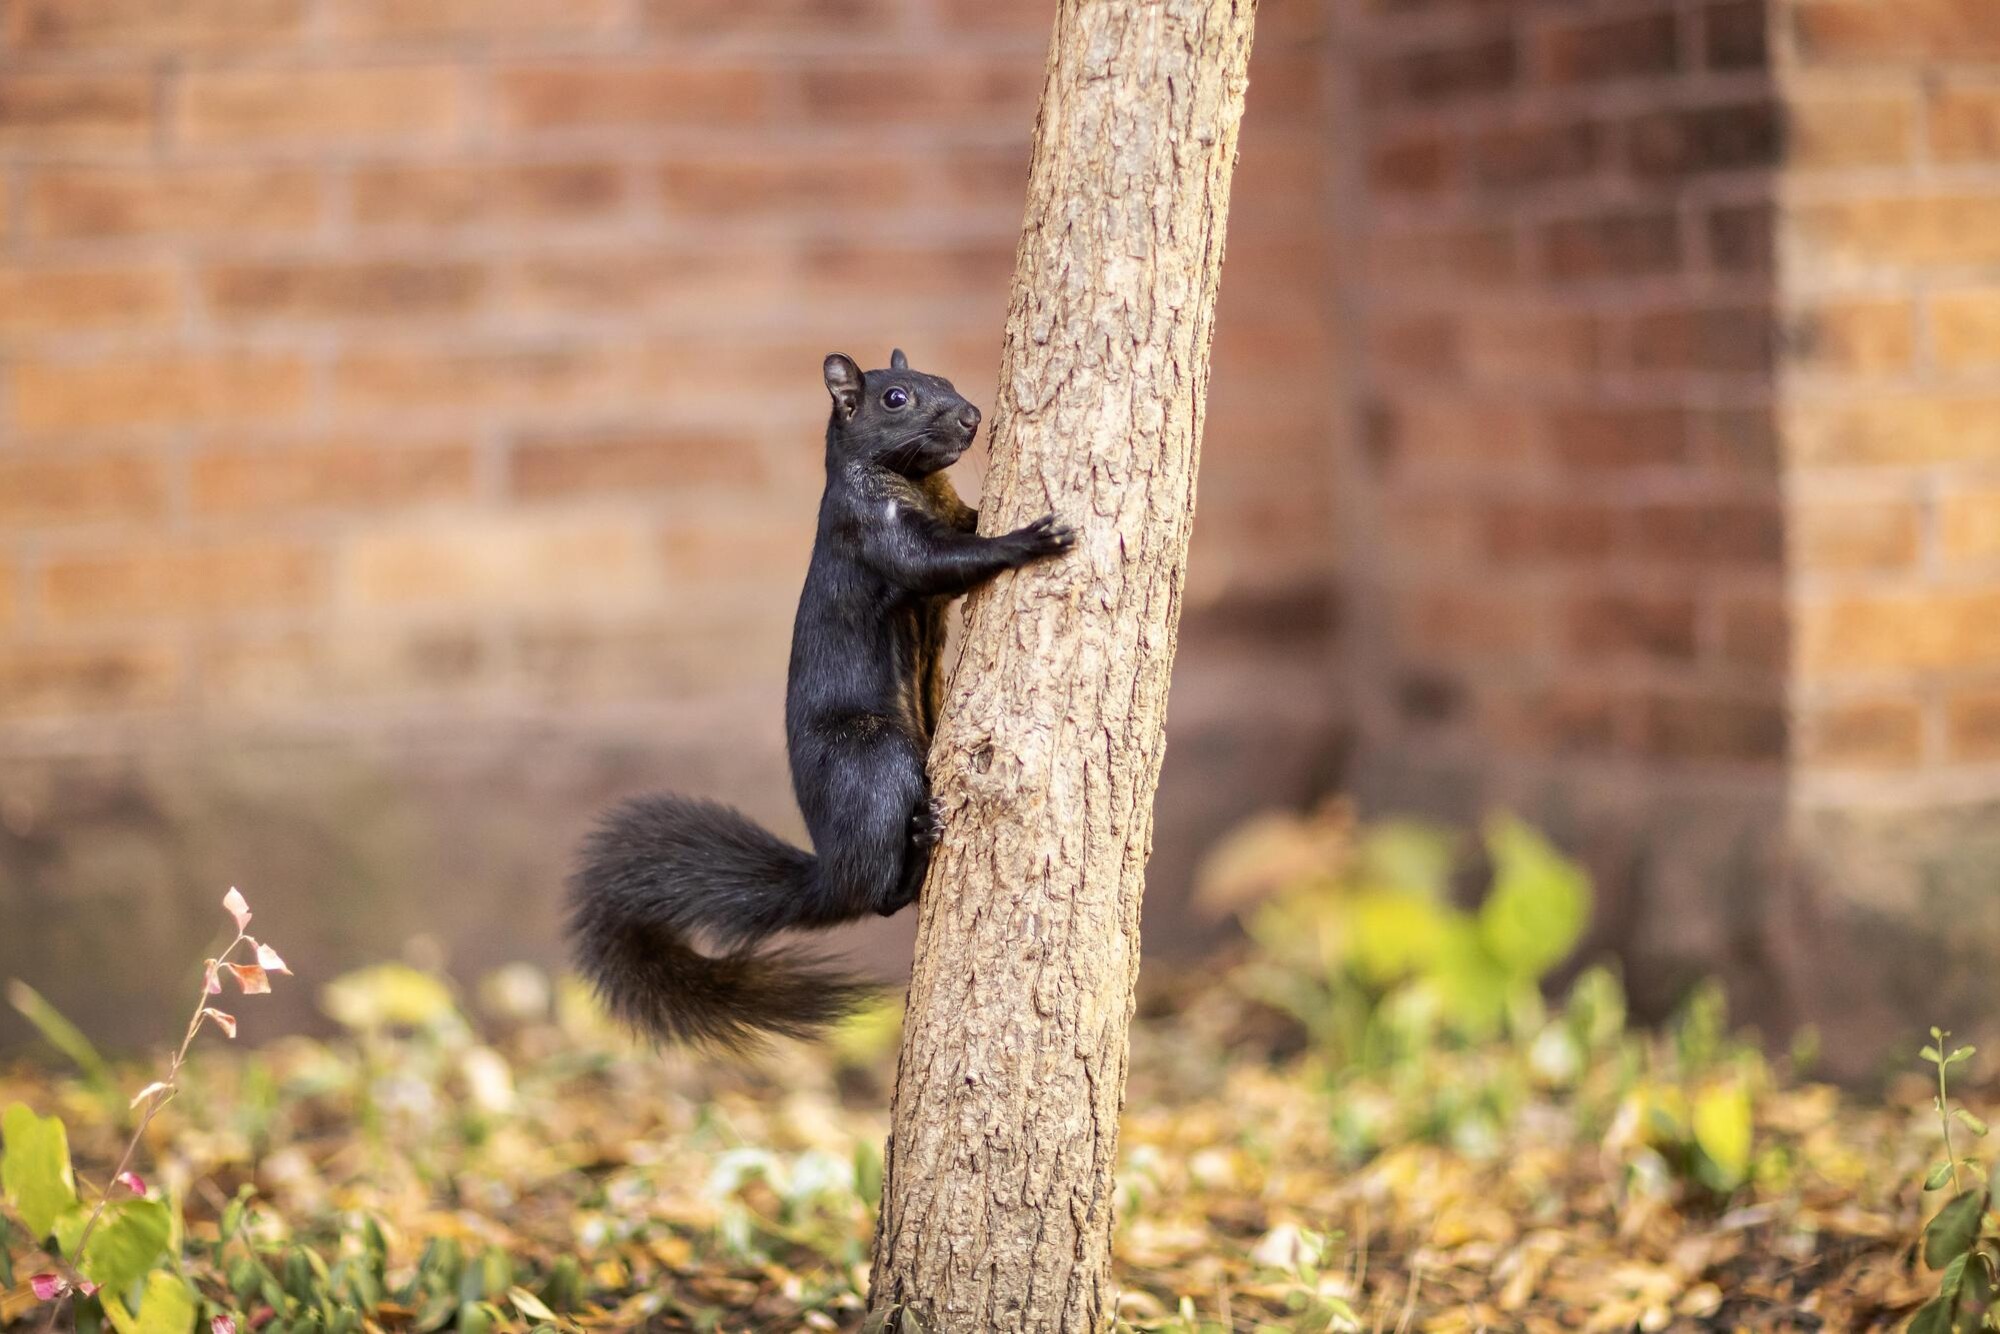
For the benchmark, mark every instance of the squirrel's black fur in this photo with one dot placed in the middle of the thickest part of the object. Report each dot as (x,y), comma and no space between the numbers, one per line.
(895,544)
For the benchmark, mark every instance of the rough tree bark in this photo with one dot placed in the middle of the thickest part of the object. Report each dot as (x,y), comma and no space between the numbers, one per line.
(996,1211)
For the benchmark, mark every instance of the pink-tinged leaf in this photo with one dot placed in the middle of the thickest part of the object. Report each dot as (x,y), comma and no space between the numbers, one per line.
(254,980)
(222,1324)
(155,1087)
(238,907)
(86,1287)
(268,959)
(133,1182)
(48,1287)
(225,1022)
(212,977)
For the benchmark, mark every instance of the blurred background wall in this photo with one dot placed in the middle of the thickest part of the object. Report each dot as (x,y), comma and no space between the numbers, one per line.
(411,432)
(410,418)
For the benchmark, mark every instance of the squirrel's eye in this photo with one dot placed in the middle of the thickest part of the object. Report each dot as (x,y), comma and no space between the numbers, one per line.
(896,398)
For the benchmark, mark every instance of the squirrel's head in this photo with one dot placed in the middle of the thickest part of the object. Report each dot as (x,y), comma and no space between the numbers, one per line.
(899,419)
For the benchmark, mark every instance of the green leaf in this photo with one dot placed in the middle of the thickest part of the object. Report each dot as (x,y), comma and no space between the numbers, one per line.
(59,1032)
(1934,1318)
(1940,1175)
(1722,1130)
(1931,1054)
(1969,1121)
(1960,1054)
(1395,932)
(130,1239)
(1954,1277)
(1540,900)
(529,1305)
(166,1308)
(1412,855)
(35,1175)
(1950,1234)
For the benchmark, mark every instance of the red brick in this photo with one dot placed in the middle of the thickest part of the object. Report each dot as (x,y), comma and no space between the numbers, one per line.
(743,553)
(1757,631)
(1696,728)
(1517,156)
(60,297)
(121,201)
(628,280)
(1657,626)
(1711,531)
(1855,534)
(1599,51)
(1438,74)
(1855,336)
(1742,238)
(535,378)
(1965,328)
(68,681)
(1565,718)
(1422,344)
(543,468)
(1505,347)
(41,112)
(1922,630)
(162,390)
(1440,434)
(891,92)
(1869,733)
(1867,31)
(500,561)
(483,194)
(185,582)
(1972,724)
(579,94)
(1611,245)
(1734,35)
(332,290)
(400,20)
(1893,430)
(1691,141)
(39,490)
(1420,163)
(1522,531)
(1964,121)
(1419,257)
(702,18)
(1593,438)
(1735,339)
(1467,627)
(717,187)
(1969,527)
(398,105)
(323,473)
(1840,128)
(154,26)
(1899,233)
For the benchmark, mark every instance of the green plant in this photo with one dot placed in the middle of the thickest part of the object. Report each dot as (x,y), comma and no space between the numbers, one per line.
(119,1252)
(1962,1240)
(1359,938)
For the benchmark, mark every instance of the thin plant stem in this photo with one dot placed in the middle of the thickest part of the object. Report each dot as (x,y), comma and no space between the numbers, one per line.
(163,1095)
(1944,1113)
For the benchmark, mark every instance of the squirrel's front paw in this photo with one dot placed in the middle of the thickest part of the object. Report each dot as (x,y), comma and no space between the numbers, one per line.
(927,822)
(1046,536)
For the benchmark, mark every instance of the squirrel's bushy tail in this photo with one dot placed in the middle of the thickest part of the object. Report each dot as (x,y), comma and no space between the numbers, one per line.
(662,872)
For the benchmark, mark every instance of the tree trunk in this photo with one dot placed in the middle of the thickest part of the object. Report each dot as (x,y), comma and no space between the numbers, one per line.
(996,1208)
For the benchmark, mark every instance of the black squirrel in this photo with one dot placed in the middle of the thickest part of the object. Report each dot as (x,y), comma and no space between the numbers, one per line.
(894,545)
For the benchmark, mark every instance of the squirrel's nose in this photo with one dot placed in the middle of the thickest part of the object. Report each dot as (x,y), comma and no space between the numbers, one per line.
(968,417)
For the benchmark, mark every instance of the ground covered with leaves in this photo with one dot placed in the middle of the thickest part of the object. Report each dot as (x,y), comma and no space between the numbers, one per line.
(1314,1141)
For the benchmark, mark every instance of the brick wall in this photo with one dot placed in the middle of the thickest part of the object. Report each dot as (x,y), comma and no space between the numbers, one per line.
(1563,469)
(1672,470)
(409,426)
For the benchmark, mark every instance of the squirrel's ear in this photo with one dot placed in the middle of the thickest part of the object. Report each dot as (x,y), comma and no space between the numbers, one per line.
(843,381)
(897,361)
